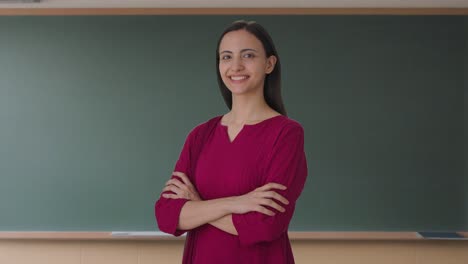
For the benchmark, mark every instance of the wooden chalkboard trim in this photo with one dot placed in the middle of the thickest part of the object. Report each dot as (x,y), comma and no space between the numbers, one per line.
(77,236)
(55,235)
(229,11)
(353,236)
(292,235)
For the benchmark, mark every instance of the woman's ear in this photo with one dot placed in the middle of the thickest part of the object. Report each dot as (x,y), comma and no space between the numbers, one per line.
(271,62)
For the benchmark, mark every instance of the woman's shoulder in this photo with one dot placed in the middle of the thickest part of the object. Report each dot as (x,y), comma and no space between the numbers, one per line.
(208,123)
(285,129)
(204,127)
(286,123)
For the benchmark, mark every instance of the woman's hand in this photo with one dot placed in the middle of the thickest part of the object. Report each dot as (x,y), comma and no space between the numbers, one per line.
(182,189)
(257,199)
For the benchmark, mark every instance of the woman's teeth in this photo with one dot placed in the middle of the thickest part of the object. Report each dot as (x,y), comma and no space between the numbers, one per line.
(238,78)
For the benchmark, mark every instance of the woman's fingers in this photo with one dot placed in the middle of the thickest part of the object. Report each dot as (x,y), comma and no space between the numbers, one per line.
(170,196)
(276,196)
(183,177)
(263,210)
(272,204)
(272,185)
(264,198)
(172,188)
(182,187)
(177,183)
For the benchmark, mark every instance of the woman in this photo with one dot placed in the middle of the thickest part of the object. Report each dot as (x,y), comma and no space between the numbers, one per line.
(239,175)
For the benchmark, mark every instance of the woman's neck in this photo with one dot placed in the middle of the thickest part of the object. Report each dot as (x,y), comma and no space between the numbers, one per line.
(248,109)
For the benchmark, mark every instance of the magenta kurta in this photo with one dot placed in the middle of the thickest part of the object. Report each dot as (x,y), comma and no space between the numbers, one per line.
(269,151)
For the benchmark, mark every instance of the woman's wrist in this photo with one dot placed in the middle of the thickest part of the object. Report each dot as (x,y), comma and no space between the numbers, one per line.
(228,204)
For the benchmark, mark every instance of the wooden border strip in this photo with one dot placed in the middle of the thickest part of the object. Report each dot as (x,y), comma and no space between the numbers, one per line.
(292,236)
(229,11)
(56,235)
(76,236)
(354,236)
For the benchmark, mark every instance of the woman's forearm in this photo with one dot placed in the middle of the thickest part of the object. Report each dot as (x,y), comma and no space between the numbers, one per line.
(225,224)
(197,213)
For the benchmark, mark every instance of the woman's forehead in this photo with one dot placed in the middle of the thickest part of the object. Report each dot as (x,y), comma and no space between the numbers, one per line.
(240,40)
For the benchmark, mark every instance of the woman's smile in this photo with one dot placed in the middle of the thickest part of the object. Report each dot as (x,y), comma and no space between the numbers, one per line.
(239,78)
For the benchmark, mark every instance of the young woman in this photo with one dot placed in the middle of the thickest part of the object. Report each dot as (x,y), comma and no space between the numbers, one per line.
(239,175)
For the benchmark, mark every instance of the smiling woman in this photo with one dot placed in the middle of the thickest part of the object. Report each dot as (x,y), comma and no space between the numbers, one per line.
(243,70)
(239,175)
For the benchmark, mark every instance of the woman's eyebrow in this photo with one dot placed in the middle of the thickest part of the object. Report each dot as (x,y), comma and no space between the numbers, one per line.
(243,50)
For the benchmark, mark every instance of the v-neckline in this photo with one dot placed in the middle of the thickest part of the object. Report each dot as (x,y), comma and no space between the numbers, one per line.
(231,141)
(241,131)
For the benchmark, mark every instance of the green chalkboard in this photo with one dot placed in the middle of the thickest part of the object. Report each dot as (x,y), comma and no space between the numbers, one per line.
(94,111)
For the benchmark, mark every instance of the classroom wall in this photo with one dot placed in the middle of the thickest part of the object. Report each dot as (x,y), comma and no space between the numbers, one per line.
(94,110)
(87,252)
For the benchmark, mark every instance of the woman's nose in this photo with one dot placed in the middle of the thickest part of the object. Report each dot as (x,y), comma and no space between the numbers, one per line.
(237,64)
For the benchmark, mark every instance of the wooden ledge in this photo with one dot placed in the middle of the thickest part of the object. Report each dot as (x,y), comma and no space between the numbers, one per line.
(229,11)
(295,236)
(354,236)
(82,236)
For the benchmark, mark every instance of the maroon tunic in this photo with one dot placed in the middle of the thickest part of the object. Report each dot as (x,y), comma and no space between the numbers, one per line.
(269,151)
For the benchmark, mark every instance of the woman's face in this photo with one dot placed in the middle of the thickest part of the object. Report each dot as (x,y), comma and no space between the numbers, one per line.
(243,63)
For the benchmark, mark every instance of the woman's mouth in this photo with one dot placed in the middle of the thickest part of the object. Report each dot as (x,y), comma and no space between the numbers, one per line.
(238,78)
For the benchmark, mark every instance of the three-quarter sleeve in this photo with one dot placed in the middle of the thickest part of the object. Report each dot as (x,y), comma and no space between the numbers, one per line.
(286,165)
(167,211)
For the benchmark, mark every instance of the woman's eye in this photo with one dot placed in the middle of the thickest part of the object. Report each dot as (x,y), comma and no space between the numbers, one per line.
(225,57)
(248,55)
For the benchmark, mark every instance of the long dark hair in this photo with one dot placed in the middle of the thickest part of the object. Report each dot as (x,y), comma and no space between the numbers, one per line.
(272,84)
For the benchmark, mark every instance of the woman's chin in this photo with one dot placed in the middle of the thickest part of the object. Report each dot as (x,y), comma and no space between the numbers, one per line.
(242,91)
